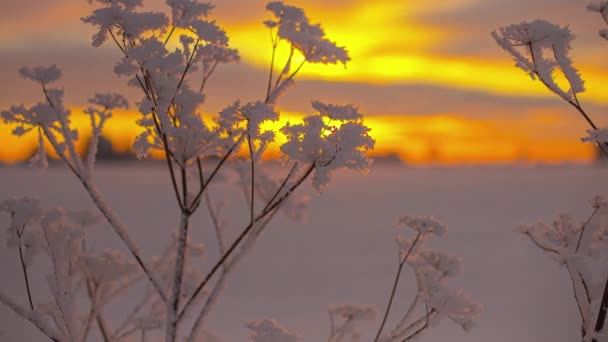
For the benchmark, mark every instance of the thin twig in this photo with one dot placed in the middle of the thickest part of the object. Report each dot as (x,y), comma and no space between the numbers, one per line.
(197,198)
(421,329)
(206,76)
(395,283)
(274,49)
(92,293)
(169,36)
(580,237)
(24,269)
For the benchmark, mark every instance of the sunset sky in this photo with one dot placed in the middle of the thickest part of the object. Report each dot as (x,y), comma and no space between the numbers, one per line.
(433,84)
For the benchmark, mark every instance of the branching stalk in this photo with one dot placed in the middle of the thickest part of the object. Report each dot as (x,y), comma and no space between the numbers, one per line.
(240,238)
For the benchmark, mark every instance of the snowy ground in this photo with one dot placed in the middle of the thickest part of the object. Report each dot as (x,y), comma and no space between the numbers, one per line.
(345,252)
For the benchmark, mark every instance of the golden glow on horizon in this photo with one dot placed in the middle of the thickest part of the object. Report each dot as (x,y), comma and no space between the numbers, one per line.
(440,138)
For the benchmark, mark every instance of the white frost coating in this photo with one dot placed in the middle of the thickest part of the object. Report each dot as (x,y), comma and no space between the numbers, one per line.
(44,75)
(581,247)
(269,330)
(309,39)
(539,48)
(424,224)
(330,141)
(434,299)
(596,135)
(344,318)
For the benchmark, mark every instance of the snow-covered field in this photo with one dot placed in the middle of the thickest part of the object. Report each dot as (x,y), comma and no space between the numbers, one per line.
(345,252)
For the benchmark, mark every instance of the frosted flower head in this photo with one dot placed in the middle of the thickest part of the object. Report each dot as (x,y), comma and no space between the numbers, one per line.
(122,17)
(44,75)
(459,307)
(210,54)
(445,265)
(109,101)
(128,4)
(64,240)
(84,218)
(269,330)
(308,39)
(539,48)
(256,113)
(353,312)
(599,201)
(599,7)
(424,224)
(23,212)
(596,135)
(561,237)
(108,267)
(331,139)
(184,12)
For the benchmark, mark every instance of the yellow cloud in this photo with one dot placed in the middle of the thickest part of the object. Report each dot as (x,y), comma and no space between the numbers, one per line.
(388,46)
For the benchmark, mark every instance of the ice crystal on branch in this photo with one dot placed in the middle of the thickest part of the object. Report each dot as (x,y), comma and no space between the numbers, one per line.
(540,48)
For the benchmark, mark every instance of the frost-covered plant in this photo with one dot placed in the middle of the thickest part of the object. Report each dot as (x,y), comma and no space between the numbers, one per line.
(174,291)
(539,48)
(172,122)
(434,300)
(582,247)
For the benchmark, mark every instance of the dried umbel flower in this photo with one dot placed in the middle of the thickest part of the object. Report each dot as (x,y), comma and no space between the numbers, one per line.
(269,330)
(540,48)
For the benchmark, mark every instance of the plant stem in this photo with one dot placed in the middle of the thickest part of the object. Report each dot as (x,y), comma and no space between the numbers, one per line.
(274,50)
(91,291)
(394,289)
(601,317)
(180,261)
(169,36)
(25,277)
(251,157)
